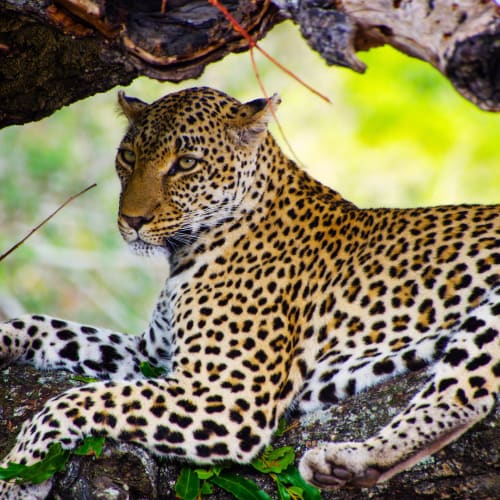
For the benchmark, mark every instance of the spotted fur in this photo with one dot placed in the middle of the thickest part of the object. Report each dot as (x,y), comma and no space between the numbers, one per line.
(280,293)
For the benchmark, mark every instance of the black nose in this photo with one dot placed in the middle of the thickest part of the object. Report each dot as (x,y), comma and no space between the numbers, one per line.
(136,222)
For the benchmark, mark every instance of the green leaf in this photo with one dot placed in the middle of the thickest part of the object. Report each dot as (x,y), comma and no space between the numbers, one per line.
(85,380)
(274,460)
(204,473)
(54,461)
(207,488)
(282,491)
(92,445)
(296,492)
(282,427)
(213,470)
(188,486)
(151,371)
(241,488)
(39,472)
(292,477)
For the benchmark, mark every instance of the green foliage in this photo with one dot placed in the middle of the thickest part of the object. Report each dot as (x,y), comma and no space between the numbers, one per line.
(241,488)
(278,463)
(54,461)
(282,427)
(274,459)
(193,483)
(150,371)
(188,484)
(92,445)
(292,486)
(84,379)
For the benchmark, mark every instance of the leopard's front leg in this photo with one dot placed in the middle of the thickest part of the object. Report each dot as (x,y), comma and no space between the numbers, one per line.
(50,343)
(408,438)
(178,418)
(462,392)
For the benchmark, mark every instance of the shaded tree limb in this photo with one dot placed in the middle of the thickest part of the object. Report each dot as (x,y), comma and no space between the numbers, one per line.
(460,39)
(53,53)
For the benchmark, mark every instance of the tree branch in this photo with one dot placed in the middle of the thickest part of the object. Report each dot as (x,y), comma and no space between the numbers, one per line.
(53,53)
(468,468)
(460,39)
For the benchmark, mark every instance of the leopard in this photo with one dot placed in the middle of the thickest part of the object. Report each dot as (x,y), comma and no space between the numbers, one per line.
(280,294)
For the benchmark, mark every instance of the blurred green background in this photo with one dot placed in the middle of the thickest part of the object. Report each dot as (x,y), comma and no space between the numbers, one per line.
(397,136)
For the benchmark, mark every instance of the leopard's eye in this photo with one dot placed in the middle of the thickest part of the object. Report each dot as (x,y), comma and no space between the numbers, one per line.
(127,156)
(186,162)
(183,164)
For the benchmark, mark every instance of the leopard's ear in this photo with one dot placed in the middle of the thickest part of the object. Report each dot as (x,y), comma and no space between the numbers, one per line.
(132,108)
(251,119)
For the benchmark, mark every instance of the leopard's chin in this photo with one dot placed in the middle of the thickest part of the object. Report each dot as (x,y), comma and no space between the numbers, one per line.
(143,249)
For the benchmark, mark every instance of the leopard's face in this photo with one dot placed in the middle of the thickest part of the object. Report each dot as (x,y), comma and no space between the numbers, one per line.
(186,163)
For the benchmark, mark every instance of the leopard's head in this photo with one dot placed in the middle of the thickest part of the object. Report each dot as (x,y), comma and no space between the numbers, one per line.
(186,163)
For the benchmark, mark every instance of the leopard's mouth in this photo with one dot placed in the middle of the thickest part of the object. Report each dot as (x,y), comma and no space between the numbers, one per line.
(169,245)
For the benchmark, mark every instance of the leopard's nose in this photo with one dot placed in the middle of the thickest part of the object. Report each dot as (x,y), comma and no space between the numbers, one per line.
(136,222)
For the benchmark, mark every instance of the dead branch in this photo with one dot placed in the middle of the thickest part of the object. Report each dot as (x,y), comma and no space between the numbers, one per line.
(460,39)
(53,53)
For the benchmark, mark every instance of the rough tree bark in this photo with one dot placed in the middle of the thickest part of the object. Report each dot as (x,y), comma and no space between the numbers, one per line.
(460,39)
(468,468)
(55,52)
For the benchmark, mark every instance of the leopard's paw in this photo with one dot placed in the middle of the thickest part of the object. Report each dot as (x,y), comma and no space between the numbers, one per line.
(337,465)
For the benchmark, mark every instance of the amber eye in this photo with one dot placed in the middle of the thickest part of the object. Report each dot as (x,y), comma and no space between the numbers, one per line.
(127,156)
(183,164)
(186,162)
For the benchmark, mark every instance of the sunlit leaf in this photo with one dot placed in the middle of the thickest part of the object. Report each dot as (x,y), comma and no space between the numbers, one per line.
(282,491)
(92,445)
(274,460)
(85,380)
(282,427)
(214,470)
(296,492)
(240,487)
(151,371)
(54,461)
(204,473)
(292,477)
(188,486)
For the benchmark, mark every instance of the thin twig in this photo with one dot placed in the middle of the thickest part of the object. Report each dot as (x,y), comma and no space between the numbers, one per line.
(253,43)
(273,112)
(35,229)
